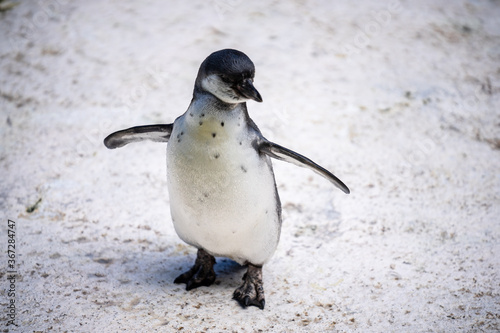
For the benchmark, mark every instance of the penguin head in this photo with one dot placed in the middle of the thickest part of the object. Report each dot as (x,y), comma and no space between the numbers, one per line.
(228,75)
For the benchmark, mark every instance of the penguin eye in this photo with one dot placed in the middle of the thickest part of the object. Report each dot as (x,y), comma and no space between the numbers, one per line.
(247,75)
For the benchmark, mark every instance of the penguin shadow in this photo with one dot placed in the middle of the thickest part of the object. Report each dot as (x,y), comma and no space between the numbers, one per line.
(161,271)
(229,273)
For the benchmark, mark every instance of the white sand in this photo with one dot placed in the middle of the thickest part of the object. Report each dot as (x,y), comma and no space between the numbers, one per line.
(400,99)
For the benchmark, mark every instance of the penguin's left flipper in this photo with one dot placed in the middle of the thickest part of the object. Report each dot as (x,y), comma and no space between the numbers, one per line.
(284,154)
(157,133)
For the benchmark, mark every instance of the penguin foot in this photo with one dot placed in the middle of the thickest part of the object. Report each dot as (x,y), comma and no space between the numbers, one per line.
(251,292)
(201,274)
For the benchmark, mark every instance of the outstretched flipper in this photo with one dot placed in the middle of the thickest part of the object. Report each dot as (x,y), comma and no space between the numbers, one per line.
(284,154)
(157,133)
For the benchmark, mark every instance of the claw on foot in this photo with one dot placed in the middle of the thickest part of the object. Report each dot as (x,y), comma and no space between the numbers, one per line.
(251,292)
(201,274)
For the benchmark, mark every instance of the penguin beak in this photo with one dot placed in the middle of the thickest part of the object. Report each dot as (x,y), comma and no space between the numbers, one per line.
(247,90)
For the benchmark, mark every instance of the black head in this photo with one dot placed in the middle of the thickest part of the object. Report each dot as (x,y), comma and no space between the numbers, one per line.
(228,74)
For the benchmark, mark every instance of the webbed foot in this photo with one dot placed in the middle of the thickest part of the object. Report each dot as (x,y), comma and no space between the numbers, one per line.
(251,292)
(201,274)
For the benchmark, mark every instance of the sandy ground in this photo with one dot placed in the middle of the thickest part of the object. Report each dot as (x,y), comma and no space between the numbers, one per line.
(400,99)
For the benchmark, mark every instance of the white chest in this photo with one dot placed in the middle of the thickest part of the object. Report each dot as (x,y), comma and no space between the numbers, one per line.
(209,153)
(222,193)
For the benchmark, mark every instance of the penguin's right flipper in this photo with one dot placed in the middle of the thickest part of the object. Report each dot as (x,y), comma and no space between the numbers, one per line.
(157,133)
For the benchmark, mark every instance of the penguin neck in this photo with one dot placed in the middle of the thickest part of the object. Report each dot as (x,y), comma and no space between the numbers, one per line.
(205,104)
(210,118)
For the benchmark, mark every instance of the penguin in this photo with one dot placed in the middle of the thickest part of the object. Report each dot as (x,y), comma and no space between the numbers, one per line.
(223,195)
